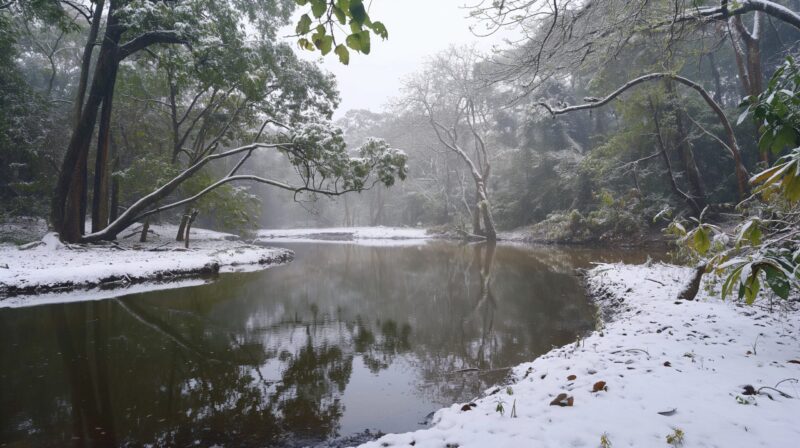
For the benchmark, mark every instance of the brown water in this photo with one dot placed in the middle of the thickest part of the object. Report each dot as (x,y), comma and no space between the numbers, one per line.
(345,338)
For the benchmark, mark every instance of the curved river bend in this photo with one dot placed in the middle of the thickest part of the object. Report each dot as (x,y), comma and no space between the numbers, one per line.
(345,338)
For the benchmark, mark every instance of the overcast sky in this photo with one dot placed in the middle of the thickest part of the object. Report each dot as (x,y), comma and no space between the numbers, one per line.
(417,29)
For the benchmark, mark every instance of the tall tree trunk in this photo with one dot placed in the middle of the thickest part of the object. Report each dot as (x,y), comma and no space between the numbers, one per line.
(712,62)
(665,155)
(100,199)
(114,208)
(476,215)
(684,149)
(86,61)
(749,59)
(71,186)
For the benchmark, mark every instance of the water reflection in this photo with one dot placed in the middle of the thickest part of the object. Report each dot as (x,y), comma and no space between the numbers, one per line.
(343,339)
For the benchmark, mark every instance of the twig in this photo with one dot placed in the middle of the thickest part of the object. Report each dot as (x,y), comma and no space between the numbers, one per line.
(782,393)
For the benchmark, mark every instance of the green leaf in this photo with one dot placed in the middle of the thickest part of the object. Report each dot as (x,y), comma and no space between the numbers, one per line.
(324,44)
(791,184)
(733,279)
(340,15)
(358,12)
(354,41)
(305,44)
(777,281)
(750,287)
(318,7)
(702,242)
(380,30)
(365,44)
(304,24)
(343,53)
(784,138)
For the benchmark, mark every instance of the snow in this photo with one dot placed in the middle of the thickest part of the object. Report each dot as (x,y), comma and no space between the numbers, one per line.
(51,265)
(363,236)
(655,355)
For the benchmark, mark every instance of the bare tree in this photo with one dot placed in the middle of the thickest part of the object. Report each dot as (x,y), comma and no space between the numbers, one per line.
(563,37)
(455,102)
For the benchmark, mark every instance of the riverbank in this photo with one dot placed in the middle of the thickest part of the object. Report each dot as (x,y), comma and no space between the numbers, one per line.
(365,236)
(658,372)
(49,266)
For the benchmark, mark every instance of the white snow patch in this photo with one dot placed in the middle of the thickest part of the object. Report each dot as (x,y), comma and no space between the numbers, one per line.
(52,264)
(655,356)
(363,236)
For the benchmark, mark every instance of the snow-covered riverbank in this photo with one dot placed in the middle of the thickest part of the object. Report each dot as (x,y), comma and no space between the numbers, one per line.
(51,266)
(658,370)
(364,236)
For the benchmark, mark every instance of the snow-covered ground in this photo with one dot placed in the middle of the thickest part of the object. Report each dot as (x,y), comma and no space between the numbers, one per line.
(684,370)
(51,265)
(365,236)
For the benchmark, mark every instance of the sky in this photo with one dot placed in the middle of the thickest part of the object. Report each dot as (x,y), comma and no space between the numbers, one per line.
(418,29)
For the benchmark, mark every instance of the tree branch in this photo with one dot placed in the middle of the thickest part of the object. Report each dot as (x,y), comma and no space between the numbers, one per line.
(150,38)
(732,146)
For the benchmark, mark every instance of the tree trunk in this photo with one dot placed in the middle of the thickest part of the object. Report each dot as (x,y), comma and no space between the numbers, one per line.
(686,156)
(86,61)
(145,229)
(717,78)
(189,227)
(114,211)
(476,214)
(71,186)
(663,150)
(684,149)
(182,226)
(100,198)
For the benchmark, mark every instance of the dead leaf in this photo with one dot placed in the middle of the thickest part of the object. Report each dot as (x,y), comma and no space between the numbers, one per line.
(667,364)
(668,413)
(468,406)
(600,385)
(562,400)
(749,390)
(572,378)
(793,361)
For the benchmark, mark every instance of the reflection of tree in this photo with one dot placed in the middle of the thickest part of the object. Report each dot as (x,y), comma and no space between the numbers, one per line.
(87,372)
(377,353)
(264,359)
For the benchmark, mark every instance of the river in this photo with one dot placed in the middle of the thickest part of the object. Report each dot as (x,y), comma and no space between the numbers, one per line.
(343,339)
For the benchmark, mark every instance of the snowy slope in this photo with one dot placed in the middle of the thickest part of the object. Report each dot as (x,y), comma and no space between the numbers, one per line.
(656,356)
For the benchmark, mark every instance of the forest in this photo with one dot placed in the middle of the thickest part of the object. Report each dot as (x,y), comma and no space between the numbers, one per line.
(157,141)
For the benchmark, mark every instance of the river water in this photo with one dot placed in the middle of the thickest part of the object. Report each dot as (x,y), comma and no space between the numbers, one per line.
(343,339)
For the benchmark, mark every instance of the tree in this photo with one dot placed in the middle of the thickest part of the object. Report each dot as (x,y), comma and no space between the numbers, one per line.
(730,143)
(211,31)
(458,109)
(566,36)
(764,248)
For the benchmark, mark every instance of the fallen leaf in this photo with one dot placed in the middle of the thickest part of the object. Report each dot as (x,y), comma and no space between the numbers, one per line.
(562,400)
(749,390)
(668,413)
(468,406)
(667,364)
(598,386)
(794,361)
(571,378)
